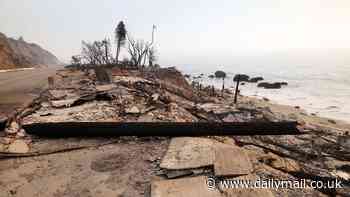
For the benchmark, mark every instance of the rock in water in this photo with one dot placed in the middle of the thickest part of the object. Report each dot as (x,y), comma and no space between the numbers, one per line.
(284,83)
(266,85)
(255,79)
(242,77)
(18,146)
(220,74)
(275,85)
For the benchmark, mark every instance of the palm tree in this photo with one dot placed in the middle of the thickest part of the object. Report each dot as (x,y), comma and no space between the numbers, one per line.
(120,36)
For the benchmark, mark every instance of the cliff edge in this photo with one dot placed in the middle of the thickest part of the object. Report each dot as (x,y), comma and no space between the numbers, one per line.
(20,54)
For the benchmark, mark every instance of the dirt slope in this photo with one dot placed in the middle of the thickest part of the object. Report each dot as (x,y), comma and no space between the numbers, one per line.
(18,54)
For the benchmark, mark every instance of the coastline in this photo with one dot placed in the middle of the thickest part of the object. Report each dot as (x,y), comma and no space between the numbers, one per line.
(299,114)
(316,95)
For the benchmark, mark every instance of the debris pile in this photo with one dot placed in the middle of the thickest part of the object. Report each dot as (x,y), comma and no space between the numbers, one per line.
(164,95)
(190,161)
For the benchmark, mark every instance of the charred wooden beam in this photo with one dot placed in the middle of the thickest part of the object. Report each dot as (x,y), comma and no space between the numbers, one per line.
(3,121)
(63,129)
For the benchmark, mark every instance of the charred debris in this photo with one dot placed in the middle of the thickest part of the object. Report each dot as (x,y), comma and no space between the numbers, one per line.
(113,100)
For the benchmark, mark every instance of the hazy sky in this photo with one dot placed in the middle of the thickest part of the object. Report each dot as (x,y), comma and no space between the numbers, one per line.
(192,32)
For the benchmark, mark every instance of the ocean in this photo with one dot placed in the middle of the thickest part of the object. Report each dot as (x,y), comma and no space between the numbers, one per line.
(323,90)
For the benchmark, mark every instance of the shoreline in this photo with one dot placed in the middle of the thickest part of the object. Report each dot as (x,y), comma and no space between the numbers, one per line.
(323,104)
(278,103)
(299,114)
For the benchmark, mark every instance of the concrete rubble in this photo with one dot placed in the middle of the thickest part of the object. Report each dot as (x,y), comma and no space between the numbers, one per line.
(18,146)
(177,166)
(187,153)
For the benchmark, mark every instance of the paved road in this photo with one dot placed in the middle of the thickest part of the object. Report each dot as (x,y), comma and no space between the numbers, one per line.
(19,87)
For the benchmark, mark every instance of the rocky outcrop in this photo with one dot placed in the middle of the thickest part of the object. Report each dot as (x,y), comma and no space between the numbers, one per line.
(19,54)
(255,79)
(211,76)
(242,77)
(276,85)
(220,74)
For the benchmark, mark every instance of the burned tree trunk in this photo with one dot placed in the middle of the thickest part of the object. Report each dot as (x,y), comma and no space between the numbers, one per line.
(237,85)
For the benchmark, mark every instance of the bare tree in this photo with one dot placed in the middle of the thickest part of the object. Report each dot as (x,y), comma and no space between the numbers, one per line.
(96,53)
(120,36)
(139,50)
(108,55)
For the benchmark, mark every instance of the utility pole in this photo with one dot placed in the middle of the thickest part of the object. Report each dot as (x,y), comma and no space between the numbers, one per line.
(153,29)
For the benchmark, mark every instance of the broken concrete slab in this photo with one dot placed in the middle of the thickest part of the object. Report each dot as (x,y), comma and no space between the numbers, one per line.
(277,162)
(203,186)
(104,88)
(184,187)
(231,161)
(250,192)
(91,111)
(63,103)
(132,110)
(130,79)
(146,118)
(171,174)
(187,153)
(13,128)
(6,140)
(18,146)
(60,94)
(217,108)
